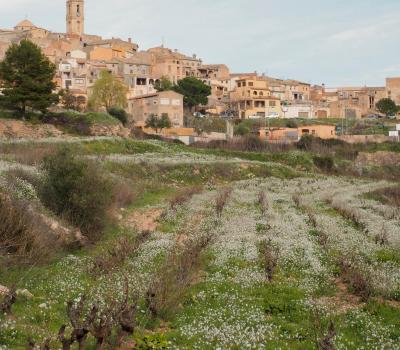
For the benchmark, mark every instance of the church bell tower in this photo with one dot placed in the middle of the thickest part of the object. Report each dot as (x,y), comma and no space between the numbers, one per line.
(75,17)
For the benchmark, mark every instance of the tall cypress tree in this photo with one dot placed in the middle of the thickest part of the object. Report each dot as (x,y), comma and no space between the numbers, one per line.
(26,79)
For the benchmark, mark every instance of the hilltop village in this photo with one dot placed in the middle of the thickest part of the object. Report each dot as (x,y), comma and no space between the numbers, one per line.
(80,58)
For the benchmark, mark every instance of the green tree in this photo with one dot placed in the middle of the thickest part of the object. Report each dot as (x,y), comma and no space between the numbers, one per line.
(242,129)
(164,84)
(119,113)
(194,92)
(387,106)
(26,79)
(158,123)
(70,101)
(77,190)
(108,92)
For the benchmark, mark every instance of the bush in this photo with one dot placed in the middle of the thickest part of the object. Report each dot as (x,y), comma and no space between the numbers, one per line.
(75,123)
(389,195)
(324,163)
(22,234)
(242,130)
(119,113)
(77,190)
(291,124)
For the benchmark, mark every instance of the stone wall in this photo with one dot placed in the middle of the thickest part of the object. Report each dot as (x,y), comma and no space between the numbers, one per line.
(366,138)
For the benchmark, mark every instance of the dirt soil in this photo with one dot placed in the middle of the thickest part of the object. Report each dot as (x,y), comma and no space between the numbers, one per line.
(343,301)
(144,220)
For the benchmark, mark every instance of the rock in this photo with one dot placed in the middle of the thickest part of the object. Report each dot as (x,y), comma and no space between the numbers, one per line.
(43,306)
(4,290)
(109,130)
(380,158)
(17,129)
(65,234)
(24,293)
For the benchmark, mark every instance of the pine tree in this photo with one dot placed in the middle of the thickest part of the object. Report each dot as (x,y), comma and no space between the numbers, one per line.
(26,79)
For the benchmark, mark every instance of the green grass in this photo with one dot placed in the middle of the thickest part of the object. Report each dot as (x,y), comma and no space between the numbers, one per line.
(118,146)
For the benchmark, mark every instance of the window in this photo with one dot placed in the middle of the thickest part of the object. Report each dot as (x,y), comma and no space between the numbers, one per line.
(164,101)
(251,83)
(176,102)
(272,103)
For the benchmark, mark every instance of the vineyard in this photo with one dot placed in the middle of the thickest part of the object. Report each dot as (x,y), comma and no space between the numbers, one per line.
(210,252)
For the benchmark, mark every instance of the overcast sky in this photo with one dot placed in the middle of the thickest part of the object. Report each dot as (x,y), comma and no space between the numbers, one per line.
(340,42)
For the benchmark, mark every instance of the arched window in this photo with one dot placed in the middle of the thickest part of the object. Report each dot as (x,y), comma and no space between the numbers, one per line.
(261,93)
(255,93)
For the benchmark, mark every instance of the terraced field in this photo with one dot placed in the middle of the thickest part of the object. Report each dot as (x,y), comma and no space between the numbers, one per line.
(221,252)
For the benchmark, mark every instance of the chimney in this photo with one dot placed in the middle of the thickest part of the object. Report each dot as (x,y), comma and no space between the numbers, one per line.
(130,40)
(194,56)
(176,50)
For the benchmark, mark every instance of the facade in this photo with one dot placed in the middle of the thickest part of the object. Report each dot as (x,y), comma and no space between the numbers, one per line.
(347,102)
(164,102)
(173,65)
(393,89)
(295,134)
(252,98)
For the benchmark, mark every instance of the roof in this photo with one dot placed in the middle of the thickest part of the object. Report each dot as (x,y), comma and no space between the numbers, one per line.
(25,23)
(165,53)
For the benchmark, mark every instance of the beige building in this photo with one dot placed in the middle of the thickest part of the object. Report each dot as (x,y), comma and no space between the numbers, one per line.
(252,98)
(295,134)
(348,102)
(173,65)
(393,89)
(165,102)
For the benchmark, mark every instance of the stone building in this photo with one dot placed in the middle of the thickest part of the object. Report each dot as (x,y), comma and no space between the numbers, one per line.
(393,89)
(347,102)
(173,65)
(164,102)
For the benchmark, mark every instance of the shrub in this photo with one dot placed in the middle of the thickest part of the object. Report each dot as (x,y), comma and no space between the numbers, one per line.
(22,234)
(389,195)
(263,202)
(291,124)
(119,113)
(123,195)
(269,256)
(222,200)
(175,275)
(242,130)
(359,283)
(77,190)
(75,123)
(183,197)
(324,163)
